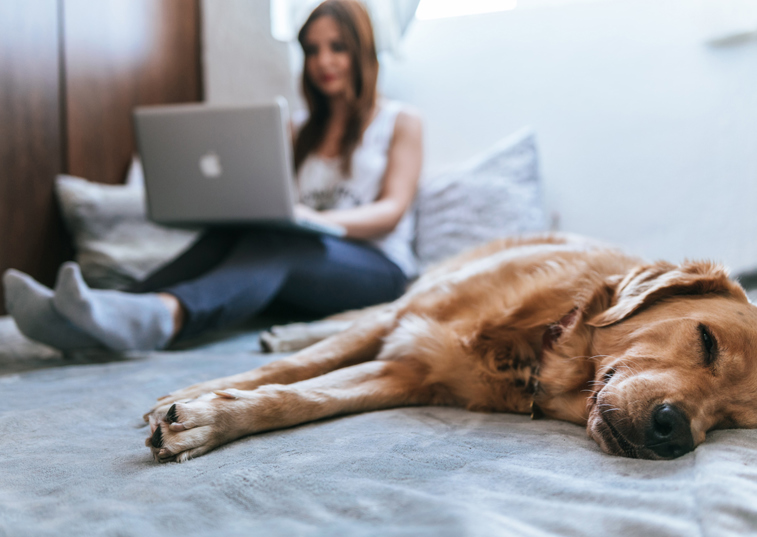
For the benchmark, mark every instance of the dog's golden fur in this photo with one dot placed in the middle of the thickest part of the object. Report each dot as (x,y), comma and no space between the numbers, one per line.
(648,356)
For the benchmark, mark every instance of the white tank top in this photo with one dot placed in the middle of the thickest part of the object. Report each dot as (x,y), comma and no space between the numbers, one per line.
(322,186)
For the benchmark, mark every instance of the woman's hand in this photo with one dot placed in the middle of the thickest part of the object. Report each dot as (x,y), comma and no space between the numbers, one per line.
(306,213)
(303,212)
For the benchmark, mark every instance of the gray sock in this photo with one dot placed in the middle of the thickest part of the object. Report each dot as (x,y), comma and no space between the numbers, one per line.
(122,321)
(31,305)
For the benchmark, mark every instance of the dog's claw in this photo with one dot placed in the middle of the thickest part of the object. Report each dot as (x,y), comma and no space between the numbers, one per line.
(172,416)
(157,438)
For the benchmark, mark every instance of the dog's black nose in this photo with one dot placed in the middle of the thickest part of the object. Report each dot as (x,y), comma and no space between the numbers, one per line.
(669,432)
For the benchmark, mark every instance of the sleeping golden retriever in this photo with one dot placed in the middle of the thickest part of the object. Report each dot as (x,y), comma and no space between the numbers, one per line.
(648,356)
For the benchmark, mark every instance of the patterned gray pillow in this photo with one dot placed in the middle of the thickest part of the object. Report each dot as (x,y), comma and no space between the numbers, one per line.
(115,243)
(495,194)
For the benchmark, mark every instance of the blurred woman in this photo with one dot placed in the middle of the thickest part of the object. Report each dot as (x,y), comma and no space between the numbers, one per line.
(358,159)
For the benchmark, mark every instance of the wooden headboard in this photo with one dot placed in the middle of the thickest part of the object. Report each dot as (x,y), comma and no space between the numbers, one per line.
(70,73)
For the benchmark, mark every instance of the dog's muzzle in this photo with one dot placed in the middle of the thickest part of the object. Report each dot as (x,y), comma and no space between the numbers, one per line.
(668,433)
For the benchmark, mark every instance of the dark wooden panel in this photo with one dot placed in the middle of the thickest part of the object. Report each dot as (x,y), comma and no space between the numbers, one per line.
(118,54)
(31,236)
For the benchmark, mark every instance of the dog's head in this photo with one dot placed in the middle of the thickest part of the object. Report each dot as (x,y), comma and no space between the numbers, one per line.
(676,357)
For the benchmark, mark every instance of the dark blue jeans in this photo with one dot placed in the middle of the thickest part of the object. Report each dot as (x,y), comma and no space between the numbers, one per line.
(228,276)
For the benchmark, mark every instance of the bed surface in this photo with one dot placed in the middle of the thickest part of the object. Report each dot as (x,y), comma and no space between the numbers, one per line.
(74,463)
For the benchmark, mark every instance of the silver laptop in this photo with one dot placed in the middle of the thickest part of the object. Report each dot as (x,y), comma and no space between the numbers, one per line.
(209,165)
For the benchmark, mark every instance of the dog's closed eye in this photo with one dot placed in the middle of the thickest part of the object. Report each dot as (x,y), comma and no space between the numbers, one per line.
(608,375)
(709,345)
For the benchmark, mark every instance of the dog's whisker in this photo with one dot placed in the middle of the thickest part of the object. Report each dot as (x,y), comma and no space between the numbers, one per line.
(628,367)
(597,383)
(591,358)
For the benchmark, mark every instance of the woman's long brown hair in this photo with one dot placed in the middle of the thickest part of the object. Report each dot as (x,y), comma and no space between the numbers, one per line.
(355,25)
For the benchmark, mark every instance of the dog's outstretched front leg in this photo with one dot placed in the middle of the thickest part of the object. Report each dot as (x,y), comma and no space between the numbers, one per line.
(360,343)
(195,427)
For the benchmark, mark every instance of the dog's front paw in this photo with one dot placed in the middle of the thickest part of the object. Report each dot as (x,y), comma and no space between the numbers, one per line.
(184,395)
(191,428)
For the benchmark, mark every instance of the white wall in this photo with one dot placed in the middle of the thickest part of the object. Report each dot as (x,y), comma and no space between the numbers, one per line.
(242,62)
(648,135)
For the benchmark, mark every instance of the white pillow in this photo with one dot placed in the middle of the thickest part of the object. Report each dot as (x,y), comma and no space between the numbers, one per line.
(115,243)
(495,194)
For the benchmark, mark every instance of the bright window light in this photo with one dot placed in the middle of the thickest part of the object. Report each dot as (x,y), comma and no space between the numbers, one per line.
(439,9)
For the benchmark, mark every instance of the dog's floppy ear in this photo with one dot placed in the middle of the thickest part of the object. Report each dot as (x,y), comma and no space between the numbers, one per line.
(647,284)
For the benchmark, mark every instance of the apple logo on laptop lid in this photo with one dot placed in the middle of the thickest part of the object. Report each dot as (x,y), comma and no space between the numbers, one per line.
(210,165)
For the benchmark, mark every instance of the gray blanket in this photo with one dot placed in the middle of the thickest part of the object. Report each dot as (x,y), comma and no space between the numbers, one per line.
(73,462)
